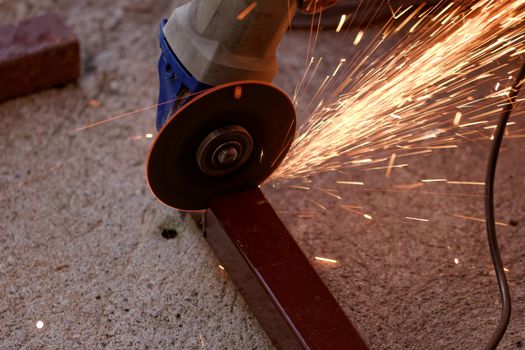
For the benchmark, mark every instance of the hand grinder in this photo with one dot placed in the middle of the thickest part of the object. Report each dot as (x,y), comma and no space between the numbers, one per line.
(223,126)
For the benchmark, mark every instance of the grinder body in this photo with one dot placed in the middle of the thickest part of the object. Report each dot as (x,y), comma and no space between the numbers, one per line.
(206,43)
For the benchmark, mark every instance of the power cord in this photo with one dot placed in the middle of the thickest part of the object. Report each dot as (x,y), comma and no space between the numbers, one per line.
(498,333)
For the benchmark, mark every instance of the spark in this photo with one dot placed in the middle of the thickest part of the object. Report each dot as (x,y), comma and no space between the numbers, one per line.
(330,193)
(394,13)
(341,22)
(416,219)
(346,206)
(318,204)
(404,11)
(338,66)
(473,183)
(39,324)
(129,114)
(358,37)
(495,126)
(299,187)
(390,164)
(442,11)
(387,167)
(478,219)
(434,180)
(456,261)
(443,147)
(367,216)
(246,11)
(318,258)
(473,123)
(221,267)
(368,160)
(404,23)
(357,183)
(457,118)
(413,28)
(149,135)
(399,101)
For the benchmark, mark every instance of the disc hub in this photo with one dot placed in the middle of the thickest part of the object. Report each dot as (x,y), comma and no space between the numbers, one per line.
(224,150)
(227,153)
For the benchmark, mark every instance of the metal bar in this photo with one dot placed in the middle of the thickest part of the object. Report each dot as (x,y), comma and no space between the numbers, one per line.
(286,295)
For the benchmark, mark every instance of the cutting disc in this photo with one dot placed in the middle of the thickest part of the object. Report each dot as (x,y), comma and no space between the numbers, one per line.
(263,111)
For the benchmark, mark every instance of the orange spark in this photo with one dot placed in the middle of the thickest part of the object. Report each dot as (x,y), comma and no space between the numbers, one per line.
(397,101)
(477,219)
(341,22)
(434,180)
(457,118)
(415,219)
(358,183)
(358,37)
(318,258)
(390,164)
(246,11)
(466,183)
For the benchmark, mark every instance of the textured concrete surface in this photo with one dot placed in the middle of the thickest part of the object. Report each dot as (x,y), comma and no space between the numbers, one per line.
(81,245)
(80,234)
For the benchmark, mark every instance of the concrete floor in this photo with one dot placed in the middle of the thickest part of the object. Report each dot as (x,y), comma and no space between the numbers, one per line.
(80,233)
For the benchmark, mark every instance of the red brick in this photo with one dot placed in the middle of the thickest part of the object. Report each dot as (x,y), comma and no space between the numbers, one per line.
(36,54)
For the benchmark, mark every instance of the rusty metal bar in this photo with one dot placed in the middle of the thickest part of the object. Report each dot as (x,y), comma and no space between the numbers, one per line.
(286,295)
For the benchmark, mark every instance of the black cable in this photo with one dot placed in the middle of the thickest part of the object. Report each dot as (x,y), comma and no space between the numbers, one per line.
(496,336)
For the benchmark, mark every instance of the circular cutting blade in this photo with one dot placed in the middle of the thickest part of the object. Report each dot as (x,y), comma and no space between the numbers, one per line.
(264,110)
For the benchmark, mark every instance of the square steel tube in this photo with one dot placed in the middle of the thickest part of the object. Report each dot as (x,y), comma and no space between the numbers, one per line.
(271,272)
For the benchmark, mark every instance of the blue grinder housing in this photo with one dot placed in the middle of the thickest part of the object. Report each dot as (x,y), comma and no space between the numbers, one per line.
(176,84)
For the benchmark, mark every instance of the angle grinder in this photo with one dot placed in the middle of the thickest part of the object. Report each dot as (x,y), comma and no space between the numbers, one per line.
(223,127)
